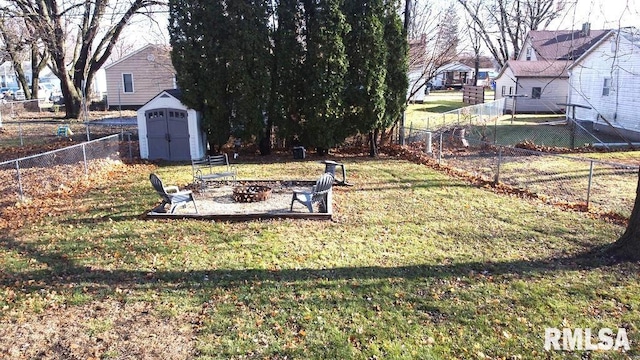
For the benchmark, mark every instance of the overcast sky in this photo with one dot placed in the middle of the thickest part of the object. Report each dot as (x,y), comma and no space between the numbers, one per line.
(602,14)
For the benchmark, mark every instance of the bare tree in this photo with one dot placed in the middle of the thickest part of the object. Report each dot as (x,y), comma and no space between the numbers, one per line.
(503,24)
(475,41)
(11,34)
(433,43)
(79,36)
(21,45)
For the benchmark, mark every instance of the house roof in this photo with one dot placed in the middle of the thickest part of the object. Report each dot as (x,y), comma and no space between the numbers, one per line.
(564,44)
(485,62)
(454,66)
(125,58)
(631,34)
(548,69)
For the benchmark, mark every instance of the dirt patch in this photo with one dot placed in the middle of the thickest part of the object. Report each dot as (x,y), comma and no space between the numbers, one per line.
(108,329)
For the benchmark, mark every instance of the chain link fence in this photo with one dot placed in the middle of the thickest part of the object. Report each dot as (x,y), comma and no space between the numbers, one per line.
(43,174)
(478,146)
(487,122)
(10,110)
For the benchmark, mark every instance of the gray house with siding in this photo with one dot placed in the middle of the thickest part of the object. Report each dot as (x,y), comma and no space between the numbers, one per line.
(541,86)
(138,77)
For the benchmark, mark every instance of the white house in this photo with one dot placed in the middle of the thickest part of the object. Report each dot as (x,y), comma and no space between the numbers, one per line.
(416,74)
(535,86)
(454,74)
(539,76)
(606,79)
(169,130)
(417,86)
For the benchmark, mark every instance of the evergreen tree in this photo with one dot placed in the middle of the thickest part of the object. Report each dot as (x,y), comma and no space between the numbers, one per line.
(220,50)
(248,65)
(288,80)
(397,64)
(365,81)
(324,70)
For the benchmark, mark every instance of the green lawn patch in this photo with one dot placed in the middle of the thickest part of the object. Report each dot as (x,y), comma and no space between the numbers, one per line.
(415,265)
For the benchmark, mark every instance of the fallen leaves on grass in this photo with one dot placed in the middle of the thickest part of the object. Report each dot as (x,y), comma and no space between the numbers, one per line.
(51,201)
(107,329)
(419,157)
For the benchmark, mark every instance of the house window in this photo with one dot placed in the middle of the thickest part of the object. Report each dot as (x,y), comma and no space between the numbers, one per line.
(504,90)
(529,53)
(606,87)
(510,90)
(127,83)
(536,92)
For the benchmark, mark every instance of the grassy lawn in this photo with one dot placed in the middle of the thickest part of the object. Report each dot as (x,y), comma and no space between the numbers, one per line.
(415,265)
(430,112)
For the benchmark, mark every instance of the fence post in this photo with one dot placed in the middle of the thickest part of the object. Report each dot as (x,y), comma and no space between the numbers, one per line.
(20,190)
(20,131)
(590,180)
(428,147)
(84,156)
(401,132)
(130,146)
(497,176)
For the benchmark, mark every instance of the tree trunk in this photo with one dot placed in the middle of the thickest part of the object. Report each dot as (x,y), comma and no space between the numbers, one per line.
(373,143)
(627,247)
(72,105)
(407,15)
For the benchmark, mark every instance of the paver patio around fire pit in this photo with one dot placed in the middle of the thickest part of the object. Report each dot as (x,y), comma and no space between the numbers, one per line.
(216,202)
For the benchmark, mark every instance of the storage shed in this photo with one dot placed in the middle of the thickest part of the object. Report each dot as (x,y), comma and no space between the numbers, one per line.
(169,130)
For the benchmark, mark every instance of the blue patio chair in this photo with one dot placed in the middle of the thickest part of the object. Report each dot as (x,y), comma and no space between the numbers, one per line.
(318,193)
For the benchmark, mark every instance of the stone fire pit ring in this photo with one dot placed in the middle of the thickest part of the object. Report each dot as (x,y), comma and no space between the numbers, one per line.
(251,193)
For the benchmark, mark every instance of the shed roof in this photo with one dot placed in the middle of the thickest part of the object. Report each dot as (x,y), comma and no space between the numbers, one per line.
(175,93)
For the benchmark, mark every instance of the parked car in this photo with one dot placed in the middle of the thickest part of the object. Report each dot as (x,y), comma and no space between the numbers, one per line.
(18,95)
(8,92)
(55,94)
(43,92)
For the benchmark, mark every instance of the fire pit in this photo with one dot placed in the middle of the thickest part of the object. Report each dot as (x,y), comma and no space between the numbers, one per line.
(251,193)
